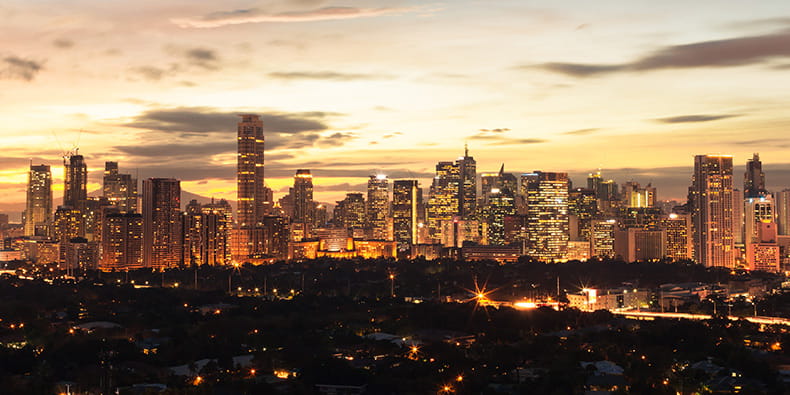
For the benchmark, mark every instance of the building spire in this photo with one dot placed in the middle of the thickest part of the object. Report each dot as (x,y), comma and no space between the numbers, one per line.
(466,150)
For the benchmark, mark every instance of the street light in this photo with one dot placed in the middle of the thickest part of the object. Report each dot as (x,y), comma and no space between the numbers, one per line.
(392,285)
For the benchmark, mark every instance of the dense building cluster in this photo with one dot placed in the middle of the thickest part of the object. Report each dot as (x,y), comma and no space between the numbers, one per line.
(461,214)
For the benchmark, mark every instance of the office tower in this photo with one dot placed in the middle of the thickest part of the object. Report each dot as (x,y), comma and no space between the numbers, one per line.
(738,217)
(350,212)
(488,181)
(602,235)
(119,189)
(321,215)
(636,196)
(218,222)
(272,237)
(122,242)
(194,228)
(583,204)
(378,207)
(754,179)
(783,211)
(67,224)
(207,233)
(594,181)
(75,189)
(757,210)
(763,252)
(710,200)
(406,204)
(249,172)
(467,185)
(547,214)
(501,204)
(161,223)
(443,204)
(504,182)
(639,244)
(38,209)
(304,208)
(678,232)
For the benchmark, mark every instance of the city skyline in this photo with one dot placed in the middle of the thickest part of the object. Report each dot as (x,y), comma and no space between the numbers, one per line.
(565,87)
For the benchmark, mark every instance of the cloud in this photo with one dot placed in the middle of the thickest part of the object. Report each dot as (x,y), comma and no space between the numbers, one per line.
(498,130)
(150,72)
(518,141)
(202,57)
(204,120)
(176,150)
(496,137)
(253,15)
(737,51)
(581,132)
(696,118)
(336,139)
(579,70)
(16,68)
(63,43)
(326,75)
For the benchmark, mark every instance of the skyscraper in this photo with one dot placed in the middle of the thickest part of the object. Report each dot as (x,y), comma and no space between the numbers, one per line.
(710,198)
(467,185)
(547,215)
(122,242)
(406,204)
(350,212)
(75,189)
(501,204)
(754,179)
(783,211)
(161,223)
(119,189)
(249,172)
(304,206)
(38,210)
(443,204)
(378,206)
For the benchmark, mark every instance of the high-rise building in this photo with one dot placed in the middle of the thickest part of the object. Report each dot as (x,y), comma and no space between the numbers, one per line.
(122,242)
(119,189)
(639,244)
(547,214)
(679,242)
(582,204)
(783,211)
(636,196)
(75,190)
(350,212)
(207,233)
(378,207)
(304,207)
(602,235)
(467,185)
(443,203)
(738,217)
(38,209)
(251,192)
(710,200)
(162,234)
(406,205)
(763,253)
(754,179)
(757,210)
(501,204)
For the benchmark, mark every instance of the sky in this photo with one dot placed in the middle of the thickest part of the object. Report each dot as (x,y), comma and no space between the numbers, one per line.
(349,89)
